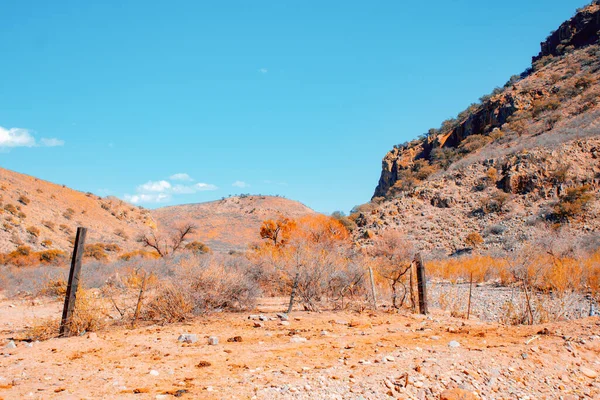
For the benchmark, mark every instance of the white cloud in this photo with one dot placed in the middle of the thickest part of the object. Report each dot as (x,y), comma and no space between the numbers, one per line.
(52,142)
(263,70)
(19,137)
(16,137)
(183,189)
(163,191)
(204,186)
(181,177)
(152,187)
(147,198)
(240,184)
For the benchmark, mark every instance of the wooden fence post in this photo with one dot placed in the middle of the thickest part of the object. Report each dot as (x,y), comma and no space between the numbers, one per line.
(293,294)
(421,284)
(138,307)
(71,296)
(470,292)
(373,288)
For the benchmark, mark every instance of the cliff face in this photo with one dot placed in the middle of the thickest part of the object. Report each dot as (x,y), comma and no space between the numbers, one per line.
(581,30)
(505,166)
(571,43)
(507,208)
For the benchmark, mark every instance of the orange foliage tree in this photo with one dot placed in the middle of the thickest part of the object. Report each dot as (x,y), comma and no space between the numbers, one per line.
(312,257)
(277,231)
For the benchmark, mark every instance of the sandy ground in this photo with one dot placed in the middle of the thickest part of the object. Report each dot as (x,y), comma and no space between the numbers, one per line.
(333,355)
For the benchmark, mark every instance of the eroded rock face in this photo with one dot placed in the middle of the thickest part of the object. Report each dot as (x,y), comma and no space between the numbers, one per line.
(440,212)
(579,31)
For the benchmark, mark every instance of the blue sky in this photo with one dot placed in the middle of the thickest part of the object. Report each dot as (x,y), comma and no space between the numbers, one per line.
(187,101)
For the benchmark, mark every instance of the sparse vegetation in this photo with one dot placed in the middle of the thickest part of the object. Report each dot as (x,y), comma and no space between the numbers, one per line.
(33,231)
(573,203)
(24,200)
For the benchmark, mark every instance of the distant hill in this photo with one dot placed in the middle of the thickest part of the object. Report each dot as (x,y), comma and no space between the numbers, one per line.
(44,215)
(232,223)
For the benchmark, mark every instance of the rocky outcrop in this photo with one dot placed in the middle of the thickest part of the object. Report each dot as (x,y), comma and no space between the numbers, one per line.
(581,30)
(493,113)
(534,88)
(509,210)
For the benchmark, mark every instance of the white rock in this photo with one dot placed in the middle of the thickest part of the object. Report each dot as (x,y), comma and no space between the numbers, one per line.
(10,345)
(213,340)
(454,344)
(187,338)
(590,373)
(298,339)
(154,372)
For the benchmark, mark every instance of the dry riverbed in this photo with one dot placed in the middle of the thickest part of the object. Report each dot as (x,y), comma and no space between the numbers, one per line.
(329,355)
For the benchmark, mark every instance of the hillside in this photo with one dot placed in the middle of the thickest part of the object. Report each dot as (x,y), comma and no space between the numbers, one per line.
(231,223)
(44,215)
(507,165)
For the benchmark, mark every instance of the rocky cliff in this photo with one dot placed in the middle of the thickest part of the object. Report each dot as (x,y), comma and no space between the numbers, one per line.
(506,162)
(570,44)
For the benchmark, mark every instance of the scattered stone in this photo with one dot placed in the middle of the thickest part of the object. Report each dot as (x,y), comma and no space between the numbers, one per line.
(187,338)
(203,364)
(235,339)
(298,339)
(258,325)
(390,359)
(341,322)
(263,318)
(284,323)
(283,316)
(213,340)
(324,333)
(590,373)
(454,344)
(253,317)
(11,345)
(154,372)
(457,394)
(435,338)
(524,356)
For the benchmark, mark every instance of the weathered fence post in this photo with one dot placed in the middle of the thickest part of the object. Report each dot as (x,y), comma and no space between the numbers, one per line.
(138,307)
(293,294)
(470,292)
(373,288)
(421,283)
(71,296)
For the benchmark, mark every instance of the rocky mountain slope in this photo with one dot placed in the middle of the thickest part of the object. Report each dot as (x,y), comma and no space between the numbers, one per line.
(505,167)
(232,223)
(44,215)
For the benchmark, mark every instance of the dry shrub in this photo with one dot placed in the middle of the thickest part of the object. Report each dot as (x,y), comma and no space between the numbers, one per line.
(217,287)
(89,316)
(54,288)
(98,251)
(90,313)
(43,329)
(482,267)
(143,254)
(574,202)
(170,304)
(473,239)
